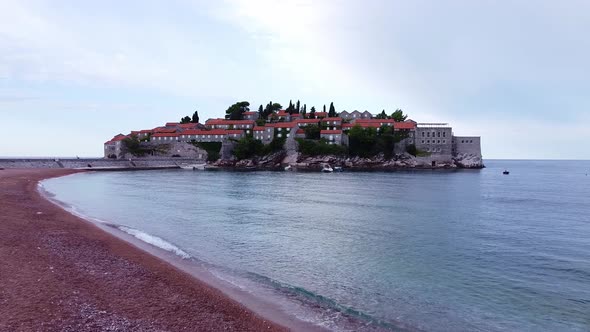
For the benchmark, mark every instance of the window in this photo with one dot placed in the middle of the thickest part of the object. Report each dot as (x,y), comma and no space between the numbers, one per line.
(428,142)
(438,142)
(422,135)
(444,134)
(462,141)
(470,141)
(428,134)
(422,141)
(438,134)
(444,141)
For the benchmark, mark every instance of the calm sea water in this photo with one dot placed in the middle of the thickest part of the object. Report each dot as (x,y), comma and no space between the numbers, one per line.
(430,250)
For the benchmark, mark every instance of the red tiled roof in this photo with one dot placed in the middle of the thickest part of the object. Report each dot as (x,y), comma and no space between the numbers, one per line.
(307,121)
(192,132)
(146,131)
(259,128)
(171,124)
(228,122)
(282,124)
(117,138)
(300,131)
(324,114)
(374,121)
(165,135)
(331,132)
(188,125)
(282,113)
(362,125)
(404,125)
(295,115)
(250,113)
(164,130)
(332,119)
(213,132)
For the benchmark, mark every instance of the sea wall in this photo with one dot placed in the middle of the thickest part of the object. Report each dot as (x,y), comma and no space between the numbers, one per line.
(94,163)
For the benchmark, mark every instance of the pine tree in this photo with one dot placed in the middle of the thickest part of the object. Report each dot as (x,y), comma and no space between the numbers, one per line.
(303,111)
(297,109)
(195,118)
(324,108)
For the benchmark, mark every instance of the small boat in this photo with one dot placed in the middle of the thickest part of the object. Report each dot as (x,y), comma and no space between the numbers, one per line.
(505,172)
(192,167)
(288,168)
(337,169)
(327,169)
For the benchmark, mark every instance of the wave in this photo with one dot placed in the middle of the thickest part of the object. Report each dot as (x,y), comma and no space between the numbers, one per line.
(329,305)
(154,240)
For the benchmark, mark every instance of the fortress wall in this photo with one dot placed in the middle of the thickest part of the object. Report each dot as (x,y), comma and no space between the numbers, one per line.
(469,145)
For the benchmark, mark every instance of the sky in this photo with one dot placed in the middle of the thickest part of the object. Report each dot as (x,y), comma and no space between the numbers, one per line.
(75,73)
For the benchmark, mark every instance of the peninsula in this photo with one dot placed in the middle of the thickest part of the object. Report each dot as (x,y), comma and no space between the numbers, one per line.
(273,137)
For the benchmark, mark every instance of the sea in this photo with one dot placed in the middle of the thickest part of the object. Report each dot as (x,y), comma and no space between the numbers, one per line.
(422,250)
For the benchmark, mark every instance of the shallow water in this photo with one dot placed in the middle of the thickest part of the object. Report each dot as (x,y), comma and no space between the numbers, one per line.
(433,250)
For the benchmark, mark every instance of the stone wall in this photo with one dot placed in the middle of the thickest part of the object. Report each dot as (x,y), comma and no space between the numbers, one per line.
(467,145)
(436,140)
(95,163)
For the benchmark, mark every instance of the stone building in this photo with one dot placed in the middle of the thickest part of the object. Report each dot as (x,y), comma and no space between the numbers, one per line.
(112,148)
(332,136)
(264,134)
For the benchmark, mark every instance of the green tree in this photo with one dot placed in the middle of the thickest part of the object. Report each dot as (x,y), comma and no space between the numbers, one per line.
(270,109)
(312,113)
(291,108)
(186,119)
(248,147)
(312,131)
(324,108)
(260,110)
(399,115)
(303,111)
(332,112)
(362,141)
(236,111)
(381,115)
(297,107)
(195,117)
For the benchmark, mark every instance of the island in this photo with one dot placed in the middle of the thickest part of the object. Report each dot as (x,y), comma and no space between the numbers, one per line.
(293,138)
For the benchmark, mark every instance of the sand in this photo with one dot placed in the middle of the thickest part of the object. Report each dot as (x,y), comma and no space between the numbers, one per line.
(61,273)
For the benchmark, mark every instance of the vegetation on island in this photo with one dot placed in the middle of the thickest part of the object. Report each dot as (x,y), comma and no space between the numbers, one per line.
(213,149)
(248,147)
(132,145)
(362,142)
(188,119)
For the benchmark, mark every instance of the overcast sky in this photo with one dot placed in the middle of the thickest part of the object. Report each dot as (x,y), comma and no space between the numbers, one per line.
(75,73)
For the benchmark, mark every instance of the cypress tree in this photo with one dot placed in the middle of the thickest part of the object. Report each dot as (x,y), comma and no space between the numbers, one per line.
(332,112)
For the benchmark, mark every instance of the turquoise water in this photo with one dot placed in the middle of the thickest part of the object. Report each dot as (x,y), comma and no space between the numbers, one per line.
(428,250)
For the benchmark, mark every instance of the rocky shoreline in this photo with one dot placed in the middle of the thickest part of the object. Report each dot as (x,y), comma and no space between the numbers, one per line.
(405,161)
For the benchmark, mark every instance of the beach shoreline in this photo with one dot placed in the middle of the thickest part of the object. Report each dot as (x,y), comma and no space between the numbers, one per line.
(62,272)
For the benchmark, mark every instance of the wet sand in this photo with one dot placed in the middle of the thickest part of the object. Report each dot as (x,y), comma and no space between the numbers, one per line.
(61,273)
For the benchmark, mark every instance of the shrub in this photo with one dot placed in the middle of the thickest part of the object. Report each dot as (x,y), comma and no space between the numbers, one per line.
(320,147)
(312,132)
(213,149)
(411,149)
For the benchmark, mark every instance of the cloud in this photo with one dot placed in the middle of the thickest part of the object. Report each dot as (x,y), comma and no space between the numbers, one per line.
(474,64)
